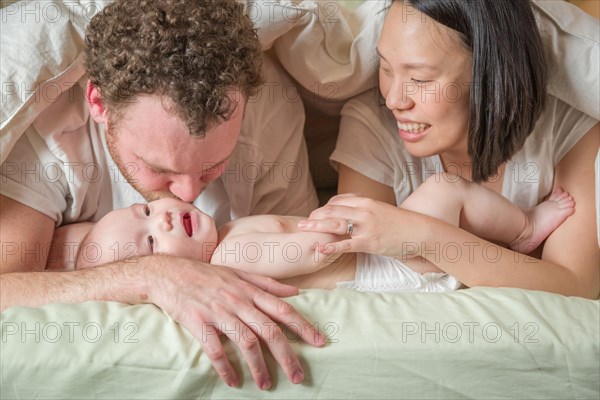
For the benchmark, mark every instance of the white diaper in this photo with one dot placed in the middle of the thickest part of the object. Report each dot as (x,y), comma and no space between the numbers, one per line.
(387,274)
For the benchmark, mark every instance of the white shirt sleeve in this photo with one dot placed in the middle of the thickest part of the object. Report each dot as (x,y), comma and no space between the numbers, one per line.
(35,179)
(58,166)
(364,143)
(569,126)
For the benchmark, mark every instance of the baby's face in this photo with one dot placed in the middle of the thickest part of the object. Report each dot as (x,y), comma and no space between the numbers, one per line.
(166,226)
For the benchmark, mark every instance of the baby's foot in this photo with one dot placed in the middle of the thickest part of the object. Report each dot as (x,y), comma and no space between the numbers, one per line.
(543,219)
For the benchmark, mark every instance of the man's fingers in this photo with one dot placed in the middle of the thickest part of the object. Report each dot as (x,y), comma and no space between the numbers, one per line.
(244,336)
(269,285)
(276,339)
(208,335)
(284,313)
(272,335)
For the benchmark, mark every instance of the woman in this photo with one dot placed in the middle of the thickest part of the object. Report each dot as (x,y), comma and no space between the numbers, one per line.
(465,92)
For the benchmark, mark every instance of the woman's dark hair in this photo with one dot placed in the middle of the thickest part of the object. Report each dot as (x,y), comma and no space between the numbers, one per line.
(509,75)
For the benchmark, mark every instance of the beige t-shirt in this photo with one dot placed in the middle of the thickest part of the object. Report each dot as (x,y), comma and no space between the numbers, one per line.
(369,143)
(61,166)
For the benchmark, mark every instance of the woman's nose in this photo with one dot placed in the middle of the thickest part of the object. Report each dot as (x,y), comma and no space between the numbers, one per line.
(400,95)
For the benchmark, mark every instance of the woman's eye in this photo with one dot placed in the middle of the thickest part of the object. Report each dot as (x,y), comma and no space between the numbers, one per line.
(151,243)
(147,210)
(418,81)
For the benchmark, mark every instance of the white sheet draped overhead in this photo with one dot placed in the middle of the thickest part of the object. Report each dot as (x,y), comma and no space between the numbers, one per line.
(328,49)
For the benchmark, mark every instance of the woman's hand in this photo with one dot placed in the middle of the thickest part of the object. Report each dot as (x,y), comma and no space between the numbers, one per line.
(377,227)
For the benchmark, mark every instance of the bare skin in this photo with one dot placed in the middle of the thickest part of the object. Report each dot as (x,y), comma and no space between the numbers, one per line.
(258,244)
(565,263)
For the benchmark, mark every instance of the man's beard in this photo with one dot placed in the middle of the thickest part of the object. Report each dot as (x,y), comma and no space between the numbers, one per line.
(129,175)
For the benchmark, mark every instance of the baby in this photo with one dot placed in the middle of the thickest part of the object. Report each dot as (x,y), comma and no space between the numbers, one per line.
(273,246)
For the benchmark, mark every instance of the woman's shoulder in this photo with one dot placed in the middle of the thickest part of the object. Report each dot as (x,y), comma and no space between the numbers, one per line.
(558,129)
(530,172)
(368,103)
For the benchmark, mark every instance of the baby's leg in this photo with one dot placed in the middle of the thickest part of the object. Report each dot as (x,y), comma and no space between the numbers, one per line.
(486,213)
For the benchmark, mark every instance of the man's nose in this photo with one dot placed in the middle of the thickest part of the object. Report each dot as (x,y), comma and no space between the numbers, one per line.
(187,188)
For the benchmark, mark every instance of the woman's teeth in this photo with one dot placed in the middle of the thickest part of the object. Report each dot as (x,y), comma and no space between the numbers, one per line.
(414,128)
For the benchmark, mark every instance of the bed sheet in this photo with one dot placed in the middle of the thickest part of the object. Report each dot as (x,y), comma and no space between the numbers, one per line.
(475,343)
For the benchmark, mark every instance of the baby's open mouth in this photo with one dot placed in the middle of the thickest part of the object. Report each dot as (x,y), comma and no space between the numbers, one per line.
(186,220)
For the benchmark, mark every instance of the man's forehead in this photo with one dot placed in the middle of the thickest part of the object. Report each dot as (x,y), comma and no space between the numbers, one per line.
(162,141)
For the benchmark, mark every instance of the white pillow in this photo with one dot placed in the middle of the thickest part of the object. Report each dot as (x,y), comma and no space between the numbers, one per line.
(42,51)
(42,44)
(337,48)
(326,48)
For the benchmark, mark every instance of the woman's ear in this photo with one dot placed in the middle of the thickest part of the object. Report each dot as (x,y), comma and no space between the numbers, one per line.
(98,111)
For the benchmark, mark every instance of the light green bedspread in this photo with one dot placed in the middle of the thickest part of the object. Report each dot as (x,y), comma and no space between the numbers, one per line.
(476,343)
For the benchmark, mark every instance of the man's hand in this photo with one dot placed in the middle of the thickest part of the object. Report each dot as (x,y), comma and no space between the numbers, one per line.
(205,299)
(210,301)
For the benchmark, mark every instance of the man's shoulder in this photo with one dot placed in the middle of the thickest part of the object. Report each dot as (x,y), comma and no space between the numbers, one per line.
(275,113)
(68,112)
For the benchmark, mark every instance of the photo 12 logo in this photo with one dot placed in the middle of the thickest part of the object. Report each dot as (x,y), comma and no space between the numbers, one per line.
(72,332)
(469,332)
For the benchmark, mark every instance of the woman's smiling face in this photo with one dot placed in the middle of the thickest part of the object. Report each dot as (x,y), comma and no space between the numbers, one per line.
(166,226)
(425,76)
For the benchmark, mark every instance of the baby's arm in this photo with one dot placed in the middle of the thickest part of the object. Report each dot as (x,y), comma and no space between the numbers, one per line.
(272,246)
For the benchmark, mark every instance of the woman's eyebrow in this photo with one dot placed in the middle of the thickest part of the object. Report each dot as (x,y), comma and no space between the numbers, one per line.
(410,65)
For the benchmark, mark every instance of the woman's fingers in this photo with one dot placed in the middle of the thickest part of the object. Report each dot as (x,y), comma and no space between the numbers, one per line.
(344,197)
(335,226)
(344,246)
(333,211)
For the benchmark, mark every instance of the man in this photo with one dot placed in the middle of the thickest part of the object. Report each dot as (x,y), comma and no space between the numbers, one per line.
(175,108)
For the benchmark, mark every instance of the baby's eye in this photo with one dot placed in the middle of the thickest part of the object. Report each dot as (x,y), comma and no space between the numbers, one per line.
(151,243)
(147,210)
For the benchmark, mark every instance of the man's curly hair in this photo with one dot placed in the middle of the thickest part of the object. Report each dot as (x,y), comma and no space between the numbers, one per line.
(195,52)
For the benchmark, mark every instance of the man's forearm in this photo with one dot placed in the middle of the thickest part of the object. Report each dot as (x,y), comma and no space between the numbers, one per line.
(123,282)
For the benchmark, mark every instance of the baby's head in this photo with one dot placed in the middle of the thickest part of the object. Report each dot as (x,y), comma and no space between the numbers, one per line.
(165,226)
